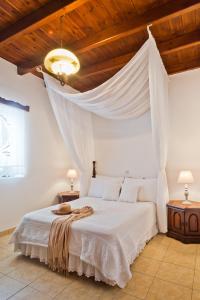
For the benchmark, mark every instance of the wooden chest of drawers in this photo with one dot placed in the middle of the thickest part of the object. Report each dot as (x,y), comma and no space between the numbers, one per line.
(184,221)
(67,196)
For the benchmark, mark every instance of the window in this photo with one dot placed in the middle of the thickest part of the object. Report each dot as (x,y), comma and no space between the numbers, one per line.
(11,142)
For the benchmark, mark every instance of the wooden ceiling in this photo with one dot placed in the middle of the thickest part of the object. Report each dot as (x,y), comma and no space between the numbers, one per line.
(104,34)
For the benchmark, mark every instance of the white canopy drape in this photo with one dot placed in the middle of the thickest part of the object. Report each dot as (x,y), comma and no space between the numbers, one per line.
(75,126)
(141,84)
(125,95)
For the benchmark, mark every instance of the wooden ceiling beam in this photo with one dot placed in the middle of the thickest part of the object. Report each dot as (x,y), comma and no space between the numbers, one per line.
(118,31)
(116,63)
(178,43)
(184,41)
(186,66)
(36,19)
(106,66)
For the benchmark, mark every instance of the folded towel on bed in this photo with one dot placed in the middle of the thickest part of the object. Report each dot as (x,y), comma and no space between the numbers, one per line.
(58,245)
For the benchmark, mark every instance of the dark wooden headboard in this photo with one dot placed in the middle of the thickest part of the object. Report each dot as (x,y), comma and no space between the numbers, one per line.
(94,172)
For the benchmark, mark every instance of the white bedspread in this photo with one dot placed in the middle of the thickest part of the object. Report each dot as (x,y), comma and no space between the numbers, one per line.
(109,240)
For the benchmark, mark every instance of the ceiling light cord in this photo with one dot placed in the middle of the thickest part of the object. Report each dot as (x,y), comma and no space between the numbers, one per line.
(60,61)
(61,31)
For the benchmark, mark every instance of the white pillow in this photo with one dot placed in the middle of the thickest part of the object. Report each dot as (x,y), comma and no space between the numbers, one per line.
(96,188)
(111,190)
(129,192)
(97,185)
(148,188)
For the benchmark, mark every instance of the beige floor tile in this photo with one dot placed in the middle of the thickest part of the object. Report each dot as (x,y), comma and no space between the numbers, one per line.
(167,259)
(5,253)
(198,249)
(179,258)
(198,262)
(196,295)
(4,243)
(183,248)
(9,247)
(4,240)
(176,274)
(10,263)
(196,279)
(51,283)
(76,295)
(116,296)
(163,290)
(30,294)
(146,265)
(161,239)
(155,251)
(120,296)
(83,289)
(9,287)
(139,285)
(28,271)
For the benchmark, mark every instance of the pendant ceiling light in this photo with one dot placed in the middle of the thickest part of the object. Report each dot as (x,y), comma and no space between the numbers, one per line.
(61,62)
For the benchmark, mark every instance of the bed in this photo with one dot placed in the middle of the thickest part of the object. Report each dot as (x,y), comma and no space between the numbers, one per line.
(103,245)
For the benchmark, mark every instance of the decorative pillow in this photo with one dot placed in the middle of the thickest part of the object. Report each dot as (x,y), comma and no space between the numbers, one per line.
(148,188)
(97,185)
(129,192)
(111,190)
(96,188)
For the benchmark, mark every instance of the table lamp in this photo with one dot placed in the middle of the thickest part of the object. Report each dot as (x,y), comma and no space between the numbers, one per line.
(72,174)
(186,177)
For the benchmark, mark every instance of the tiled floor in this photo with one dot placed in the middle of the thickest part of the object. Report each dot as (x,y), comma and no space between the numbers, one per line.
(165,270)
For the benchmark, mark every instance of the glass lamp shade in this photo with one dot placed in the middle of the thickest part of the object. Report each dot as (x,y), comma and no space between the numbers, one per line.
(71,174)
(185,177)
(61,61)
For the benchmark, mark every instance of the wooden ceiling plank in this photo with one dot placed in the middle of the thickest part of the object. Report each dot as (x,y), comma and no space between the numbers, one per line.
(122,30)
(38,18)
(186,66)
(106,66)
(182,42)
(118,31)
(187,40)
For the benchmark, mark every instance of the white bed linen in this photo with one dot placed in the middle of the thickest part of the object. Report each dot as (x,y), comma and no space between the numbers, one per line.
(109,240)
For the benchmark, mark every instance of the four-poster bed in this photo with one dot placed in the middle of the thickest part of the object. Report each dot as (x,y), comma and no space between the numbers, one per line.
(104,244)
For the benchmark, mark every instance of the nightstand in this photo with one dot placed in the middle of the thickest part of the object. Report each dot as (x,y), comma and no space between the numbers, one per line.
(67,196)
(184,221)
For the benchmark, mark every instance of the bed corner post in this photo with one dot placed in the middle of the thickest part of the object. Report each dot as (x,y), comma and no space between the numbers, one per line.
(94,169)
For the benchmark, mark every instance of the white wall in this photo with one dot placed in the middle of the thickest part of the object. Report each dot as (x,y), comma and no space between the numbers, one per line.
(46,157)
(122,146)
(184,143)
(127,145)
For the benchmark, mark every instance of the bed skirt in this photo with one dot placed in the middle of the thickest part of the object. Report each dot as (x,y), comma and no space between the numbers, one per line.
(75,263)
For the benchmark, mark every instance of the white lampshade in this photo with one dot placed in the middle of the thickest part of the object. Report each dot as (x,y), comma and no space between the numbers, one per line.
(61,61)
(72,174)
(185,177)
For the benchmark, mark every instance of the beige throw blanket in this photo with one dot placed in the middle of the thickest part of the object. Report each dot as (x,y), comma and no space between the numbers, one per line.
(58,245)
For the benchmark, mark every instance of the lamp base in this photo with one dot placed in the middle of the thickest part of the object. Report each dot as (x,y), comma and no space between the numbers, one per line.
(187,202)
